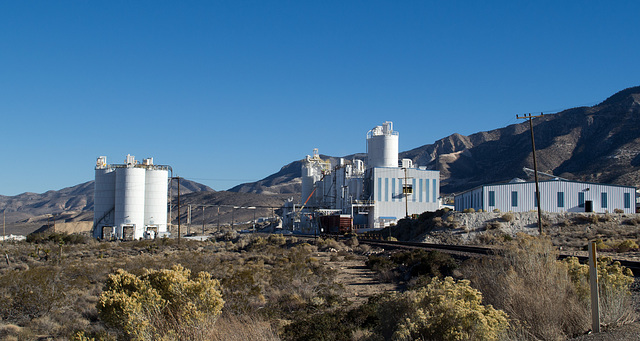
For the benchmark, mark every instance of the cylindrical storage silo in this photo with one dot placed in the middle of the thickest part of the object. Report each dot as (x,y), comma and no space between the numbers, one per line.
(309,177)
(382,146)
(130,193)
(155,200)
(104,200)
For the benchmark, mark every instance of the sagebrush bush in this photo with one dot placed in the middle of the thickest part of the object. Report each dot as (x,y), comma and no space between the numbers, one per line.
(507,217)
(532,287)
(443,310)
(627,245)
(614,287)
(155,304)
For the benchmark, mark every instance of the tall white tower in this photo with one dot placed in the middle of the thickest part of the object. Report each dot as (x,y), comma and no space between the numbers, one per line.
(382,146)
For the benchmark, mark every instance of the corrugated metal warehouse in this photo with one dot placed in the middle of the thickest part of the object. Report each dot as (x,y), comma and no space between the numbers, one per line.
(555,196)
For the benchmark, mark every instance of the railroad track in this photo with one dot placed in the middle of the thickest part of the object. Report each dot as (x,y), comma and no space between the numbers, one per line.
(477,251)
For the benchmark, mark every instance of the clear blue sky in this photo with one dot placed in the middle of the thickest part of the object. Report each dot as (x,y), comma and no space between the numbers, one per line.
(230,91)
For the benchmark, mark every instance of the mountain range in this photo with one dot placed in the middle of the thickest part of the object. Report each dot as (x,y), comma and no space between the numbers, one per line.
(596,144)
(600,143)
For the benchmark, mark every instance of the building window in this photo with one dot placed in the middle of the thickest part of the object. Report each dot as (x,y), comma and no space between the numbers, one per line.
(627,200)
(435,193)
(426,190)
(603,199)
(580,199)
(492,198)
(535,199)
(560,199)
(386,189)
(379,189)
(514,199)
(413,194)
(393,189)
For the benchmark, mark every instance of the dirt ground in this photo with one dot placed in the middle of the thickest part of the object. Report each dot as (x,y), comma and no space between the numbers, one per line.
(359,281)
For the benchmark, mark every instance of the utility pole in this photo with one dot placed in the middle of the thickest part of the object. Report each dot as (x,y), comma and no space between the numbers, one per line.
(189,221)
(406,190)
(203,220)
(178,179)
(4,234)
(530,117)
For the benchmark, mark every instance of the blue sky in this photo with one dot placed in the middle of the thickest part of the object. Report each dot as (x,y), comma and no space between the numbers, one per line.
(230,91)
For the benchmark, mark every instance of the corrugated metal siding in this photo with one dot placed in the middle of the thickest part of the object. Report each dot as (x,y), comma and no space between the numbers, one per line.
(525,193)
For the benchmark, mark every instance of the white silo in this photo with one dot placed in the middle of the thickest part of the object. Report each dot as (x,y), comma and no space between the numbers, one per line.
(382,146)
(155,201)
(129,204)
(104,197)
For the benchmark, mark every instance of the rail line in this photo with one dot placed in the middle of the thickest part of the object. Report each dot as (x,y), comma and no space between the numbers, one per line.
(478,251)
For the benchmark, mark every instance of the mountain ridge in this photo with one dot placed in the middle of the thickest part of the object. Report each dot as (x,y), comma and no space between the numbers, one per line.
(600,143)
(582,143)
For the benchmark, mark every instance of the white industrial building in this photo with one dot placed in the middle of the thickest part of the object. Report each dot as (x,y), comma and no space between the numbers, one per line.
(374,195)
(556,195)
(130,199)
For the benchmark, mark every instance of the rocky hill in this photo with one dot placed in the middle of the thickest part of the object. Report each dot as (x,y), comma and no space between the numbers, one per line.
(597,144)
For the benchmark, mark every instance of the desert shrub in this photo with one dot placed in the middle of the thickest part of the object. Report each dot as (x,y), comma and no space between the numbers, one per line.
(58,238)
(391,239)
(407,265)
(496,210)
(337,324)
(468,210)
(159,303)
(32,293)
(507,217)
(614,287)
(352,241)
(329,243)
(420,262)
(586,218)
(602,246)
(438,222)
(244,327)
(531,286)
(627,245)
(618,211)
(633,221)
(277,239)
(492,225)
(443,310)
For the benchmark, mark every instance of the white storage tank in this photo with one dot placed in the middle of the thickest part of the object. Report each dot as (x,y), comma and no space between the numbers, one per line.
(382,146)
(129,204)
(104,197)
(155,201)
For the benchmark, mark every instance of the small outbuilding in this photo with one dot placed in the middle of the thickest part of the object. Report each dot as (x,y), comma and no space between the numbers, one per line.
(555,196)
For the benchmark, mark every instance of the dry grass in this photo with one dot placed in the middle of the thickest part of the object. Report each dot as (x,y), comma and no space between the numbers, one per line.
(243,328)
(533,288)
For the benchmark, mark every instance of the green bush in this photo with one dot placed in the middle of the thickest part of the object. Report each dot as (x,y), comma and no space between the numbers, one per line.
(469,210)
(443,310)
(155,304)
